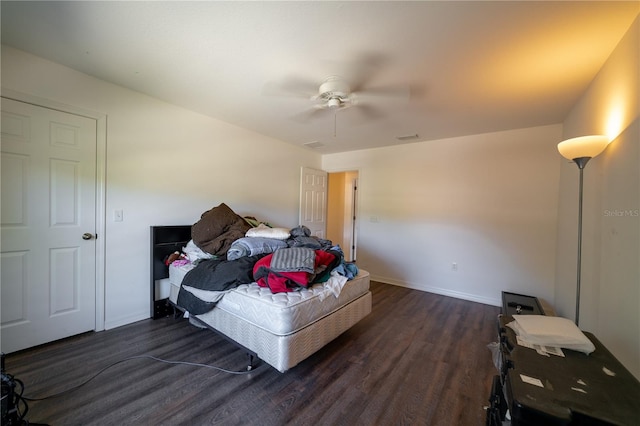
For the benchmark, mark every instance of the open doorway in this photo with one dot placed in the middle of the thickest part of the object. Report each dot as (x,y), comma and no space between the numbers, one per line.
(342,211)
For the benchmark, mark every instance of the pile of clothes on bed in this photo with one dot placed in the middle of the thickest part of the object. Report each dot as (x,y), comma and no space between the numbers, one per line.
(228,250)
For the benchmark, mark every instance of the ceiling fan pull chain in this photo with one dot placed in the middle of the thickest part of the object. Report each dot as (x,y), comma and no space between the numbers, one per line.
(335,119)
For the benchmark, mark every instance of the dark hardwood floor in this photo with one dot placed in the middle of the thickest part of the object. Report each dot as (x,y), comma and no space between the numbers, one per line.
(417,359)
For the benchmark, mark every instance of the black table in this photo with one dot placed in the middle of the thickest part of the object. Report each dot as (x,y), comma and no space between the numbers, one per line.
(576,389)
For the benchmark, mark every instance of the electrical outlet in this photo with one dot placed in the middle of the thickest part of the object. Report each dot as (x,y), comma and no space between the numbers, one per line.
(454,266)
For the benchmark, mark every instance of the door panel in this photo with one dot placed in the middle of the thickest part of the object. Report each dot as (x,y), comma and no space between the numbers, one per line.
(313,201)
(48,202)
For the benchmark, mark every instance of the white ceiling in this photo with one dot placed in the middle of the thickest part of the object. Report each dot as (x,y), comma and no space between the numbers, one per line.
(472,67)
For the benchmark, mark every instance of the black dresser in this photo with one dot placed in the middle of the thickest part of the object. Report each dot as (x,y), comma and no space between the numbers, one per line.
(577,389)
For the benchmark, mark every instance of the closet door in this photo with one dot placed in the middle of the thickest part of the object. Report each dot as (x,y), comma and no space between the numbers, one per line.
(48,225)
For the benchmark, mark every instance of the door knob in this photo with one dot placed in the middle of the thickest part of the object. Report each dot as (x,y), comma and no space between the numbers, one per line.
(87,236)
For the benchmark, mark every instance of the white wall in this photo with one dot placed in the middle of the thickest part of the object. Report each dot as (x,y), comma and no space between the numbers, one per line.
(610,282)
(164,166)
(487,202)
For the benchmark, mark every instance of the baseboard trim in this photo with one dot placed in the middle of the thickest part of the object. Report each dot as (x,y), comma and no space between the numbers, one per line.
(439,290)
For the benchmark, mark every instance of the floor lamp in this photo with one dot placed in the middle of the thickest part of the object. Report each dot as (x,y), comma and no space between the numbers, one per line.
(580,150)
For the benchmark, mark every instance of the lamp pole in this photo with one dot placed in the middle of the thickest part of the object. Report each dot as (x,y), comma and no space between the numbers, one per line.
(581,162)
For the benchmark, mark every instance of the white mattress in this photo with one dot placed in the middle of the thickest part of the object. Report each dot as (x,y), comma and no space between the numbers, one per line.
(280,313)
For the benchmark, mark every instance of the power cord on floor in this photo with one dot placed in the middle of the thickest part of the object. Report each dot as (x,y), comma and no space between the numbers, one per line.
(193,364)
(14,407)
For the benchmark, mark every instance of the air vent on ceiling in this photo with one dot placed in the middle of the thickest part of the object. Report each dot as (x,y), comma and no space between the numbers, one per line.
(407,137)
(314,144)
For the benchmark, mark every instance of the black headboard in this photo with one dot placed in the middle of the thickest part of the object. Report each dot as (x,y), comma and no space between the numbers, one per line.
(164,241)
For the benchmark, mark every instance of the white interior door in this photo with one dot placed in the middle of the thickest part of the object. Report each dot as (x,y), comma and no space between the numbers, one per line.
(48,280)
(313,201)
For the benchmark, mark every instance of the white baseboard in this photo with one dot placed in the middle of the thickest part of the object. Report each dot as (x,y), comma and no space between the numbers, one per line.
(441,291)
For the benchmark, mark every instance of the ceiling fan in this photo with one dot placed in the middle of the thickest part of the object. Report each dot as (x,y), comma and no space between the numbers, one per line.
(335,93)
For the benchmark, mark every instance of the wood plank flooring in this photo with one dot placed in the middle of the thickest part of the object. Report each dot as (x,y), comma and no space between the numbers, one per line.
(417,359)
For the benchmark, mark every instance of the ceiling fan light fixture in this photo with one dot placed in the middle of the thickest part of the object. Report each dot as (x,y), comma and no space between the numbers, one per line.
(334,103)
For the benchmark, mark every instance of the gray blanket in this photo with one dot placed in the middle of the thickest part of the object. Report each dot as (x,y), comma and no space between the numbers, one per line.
(293,259)
(251,246)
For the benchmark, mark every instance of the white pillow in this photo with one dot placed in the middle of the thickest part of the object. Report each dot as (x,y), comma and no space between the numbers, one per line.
(263,230)
(552,331)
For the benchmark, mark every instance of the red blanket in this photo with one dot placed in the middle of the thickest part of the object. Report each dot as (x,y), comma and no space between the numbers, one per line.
(280,282)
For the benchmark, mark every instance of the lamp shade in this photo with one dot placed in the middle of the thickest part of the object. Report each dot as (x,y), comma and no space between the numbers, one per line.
(583,146)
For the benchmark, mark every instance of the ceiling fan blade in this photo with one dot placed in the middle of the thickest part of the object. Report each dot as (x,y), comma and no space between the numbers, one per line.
(363,68)
(384,94)
(310,114)
(291,87)
(368,112)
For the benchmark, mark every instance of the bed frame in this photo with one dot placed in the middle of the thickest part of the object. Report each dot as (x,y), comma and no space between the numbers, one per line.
(280,351)
(164,241)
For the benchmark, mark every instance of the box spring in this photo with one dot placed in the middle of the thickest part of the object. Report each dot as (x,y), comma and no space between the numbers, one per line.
(283,329)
